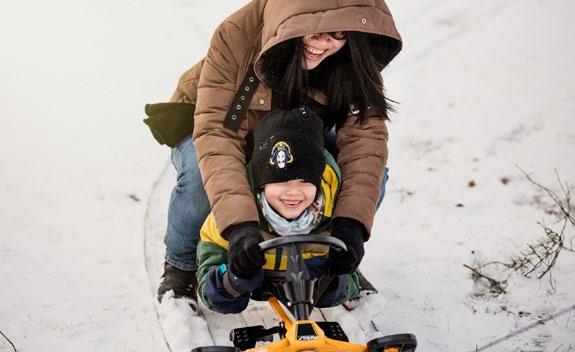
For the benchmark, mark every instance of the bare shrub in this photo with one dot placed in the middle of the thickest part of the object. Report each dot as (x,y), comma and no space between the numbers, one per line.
(538,258)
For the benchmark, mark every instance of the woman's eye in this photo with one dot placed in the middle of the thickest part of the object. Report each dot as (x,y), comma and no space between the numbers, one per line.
(337,35)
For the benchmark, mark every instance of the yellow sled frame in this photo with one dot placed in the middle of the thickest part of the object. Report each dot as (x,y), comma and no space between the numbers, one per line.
(317,343)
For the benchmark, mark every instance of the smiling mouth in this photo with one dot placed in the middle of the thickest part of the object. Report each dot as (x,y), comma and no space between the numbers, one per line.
(291,203)
(313,53)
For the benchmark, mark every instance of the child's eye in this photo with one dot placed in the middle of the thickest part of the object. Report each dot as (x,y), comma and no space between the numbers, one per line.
(337,35)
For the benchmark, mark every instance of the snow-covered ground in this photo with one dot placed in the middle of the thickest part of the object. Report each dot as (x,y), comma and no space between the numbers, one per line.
(483,86)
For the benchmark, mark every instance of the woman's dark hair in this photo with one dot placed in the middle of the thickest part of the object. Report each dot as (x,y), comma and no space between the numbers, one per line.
(350,76)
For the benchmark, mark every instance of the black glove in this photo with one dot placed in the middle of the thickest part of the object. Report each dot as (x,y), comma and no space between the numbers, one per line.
(244,256)
(352,233)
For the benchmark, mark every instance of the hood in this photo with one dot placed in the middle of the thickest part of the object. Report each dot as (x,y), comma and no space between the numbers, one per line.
(283,20)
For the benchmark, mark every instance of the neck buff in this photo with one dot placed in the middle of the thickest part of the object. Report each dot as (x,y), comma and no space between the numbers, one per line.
(303,225)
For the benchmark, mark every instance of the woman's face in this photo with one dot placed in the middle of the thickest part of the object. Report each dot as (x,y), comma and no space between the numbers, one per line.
(318,46)
(290,198)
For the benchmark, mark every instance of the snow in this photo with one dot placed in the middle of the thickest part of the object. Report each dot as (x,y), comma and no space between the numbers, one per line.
(483,88)
(182,325)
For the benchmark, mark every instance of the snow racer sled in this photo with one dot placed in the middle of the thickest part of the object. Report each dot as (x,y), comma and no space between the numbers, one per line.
(298,291)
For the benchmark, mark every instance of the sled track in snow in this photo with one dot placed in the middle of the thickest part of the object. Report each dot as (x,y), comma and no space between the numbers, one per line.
(154,226)
(147,242)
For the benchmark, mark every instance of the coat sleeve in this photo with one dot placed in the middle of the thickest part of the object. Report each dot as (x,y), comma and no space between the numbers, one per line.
(362,158)
(220,151)
(187,89)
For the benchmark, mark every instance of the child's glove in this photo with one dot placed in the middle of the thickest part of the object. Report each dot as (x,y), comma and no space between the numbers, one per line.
(334,293)
(244,256)
(351,232)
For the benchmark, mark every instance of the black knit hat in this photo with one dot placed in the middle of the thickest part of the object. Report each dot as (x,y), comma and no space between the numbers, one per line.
(288,145)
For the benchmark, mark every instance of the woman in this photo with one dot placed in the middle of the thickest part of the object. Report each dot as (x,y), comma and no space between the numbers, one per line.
(325,54)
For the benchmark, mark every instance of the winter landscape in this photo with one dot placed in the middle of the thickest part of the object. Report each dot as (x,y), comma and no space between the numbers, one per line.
(482,167)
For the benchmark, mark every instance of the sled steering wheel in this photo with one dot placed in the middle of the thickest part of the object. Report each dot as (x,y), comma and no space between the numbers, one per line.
(284,241)
(294,286)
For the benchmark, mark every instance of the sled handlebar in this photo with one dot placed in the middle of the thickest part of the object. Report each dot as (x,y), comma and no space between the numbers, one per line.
(283,241)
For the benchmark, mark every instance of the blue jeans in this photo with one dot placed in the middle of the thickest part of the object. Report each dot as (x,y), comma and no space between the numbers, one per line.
(189,205)
(189,208)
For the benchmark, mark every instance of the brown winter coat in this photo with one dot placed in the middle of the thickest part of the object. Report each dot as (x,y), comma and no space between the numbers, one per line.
(211,84)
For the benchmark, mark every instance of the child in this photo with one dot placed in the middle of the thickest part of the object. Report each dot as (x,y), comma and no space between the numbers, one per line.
(295,182)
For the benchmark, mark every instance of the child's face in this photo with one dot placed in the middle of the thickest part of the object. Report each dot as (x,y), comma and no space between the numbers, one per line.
(290,198)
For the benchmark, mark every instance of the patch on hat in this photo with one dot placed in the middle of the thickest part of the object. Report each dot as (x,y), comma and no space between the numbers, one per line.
(281,155)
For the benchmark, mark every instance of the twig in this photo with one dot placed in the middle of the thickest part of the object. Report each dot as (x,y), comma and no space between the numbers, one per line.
(564,206)
(539,258)
(559,238)
(14,347)
(552,283)
(495,285)
(567,192)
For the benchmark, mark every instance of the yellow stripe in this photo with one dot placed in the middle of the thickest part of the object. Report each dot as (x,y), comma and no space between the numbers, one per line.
(210,233)
(271,259)
(329,185)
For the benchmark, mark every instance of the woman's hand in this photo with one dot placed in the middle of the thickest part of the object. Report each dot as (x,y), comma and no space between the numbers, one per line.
(352,233)
(244,256)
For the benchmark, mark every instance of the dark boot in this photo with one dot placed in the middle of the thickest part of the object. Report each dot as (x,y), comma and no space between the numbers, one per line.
(183,283)
(365,289)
